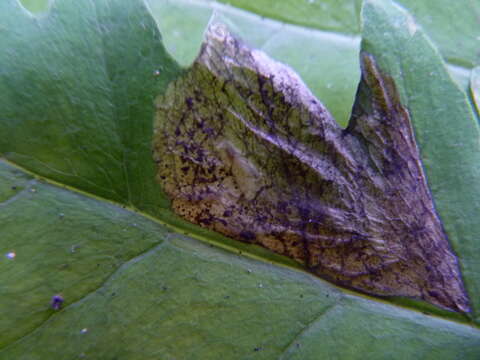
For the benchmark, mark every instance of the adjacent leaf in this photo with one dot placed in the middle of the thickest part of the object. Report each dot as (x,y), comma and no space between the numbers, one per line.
(35,6)
(454,26)
(331,15)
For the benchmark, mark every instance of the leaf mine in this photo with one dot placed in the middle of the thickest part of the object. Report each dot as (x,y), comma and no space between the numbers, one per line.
(244,148)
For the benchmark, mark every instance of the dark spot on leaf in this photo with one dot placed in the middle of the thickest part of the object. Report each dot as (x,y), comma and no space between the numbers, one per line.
(56,302)
(247,235)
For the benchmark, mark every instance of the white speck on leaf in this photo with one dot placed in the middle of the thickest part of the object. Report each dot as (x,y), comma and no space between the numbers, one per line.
(412,27)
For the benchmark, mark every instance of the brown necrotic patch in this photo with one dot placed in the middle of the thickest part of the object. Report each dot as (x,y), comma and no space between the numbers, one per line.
(244,148)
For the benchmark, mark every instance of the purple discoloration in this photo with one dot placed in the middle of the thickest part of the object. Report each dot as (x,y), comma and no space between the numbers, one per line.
(56,302)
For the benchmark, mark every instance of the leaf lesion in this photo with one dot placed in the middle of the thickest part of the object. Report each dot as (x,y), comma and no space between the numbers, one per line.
(245,149)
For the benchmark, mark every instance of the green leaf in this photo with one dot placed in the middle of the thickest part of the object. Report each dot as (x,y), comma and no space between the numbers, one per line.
(77,108)
(444,18)
(35,6)
(453,26)
(134,289)
(330,15)
(77,96)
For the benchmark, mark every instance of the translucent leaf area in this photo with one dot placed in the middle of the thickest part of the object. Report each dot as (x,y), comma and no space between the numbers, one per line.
(326,61)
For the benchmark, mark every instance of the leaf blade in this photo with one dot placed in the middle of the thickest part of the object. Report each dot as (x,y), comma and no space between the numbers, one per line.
(447,134)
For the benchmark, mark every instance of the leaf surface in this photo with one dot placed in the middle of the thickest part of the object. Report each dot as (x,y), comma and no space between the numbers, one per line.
(344,17)
(77,91)
(134,289)
(77,107)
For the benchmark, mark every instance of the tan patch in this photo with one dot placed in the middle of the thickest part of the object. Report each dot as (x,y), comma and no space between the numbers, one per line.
(244,148)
